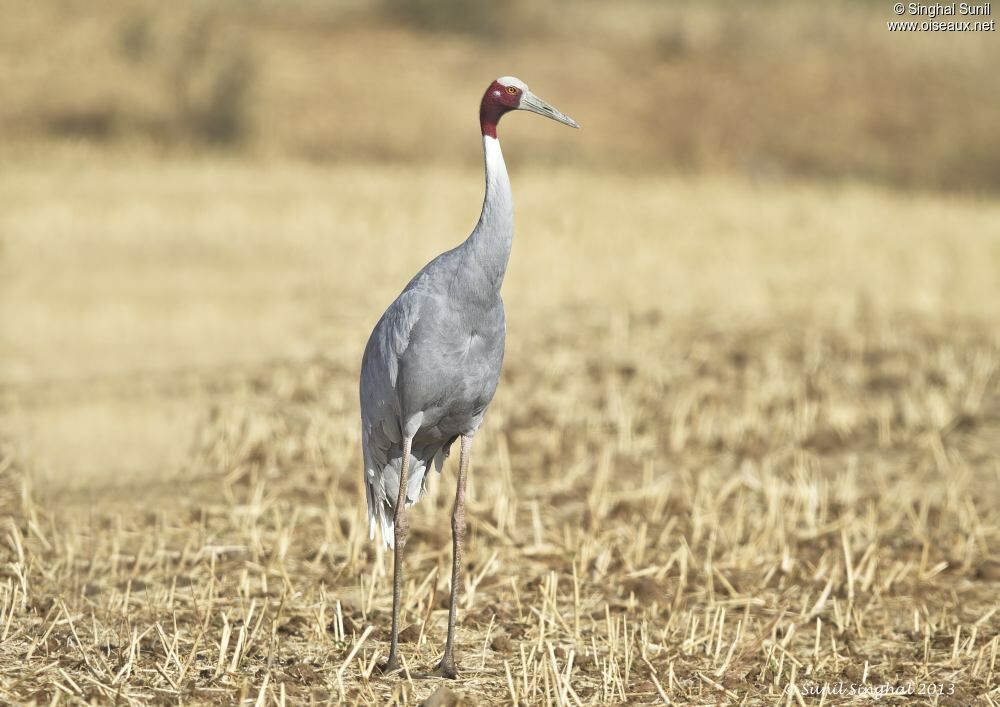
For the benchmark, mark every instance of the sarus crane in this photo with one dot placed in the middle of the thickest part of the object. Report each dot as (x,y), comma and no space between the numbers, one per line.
(432,364)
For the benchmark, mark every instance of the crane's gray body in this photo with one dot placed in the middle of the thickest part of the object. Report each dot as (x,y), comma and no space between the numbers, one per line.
(433,361)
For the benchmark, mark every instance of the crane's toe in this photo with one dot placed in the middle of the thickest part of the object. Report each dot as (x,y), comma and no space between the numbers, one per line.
(389,667)
(445,669)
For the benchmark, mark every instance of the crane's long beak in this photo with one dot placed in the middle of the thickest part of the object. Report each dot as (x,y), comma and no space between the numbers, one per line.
(530,101)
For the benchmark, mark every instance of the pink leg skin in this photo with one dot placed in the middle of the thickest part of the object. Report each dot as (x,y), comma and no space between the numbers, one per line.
(400,531)
(446,668)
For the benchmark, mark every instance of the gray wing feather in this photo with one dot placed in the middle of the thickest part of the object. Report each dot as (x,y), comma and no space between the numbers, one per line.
(380,412)
(414,334)
(381,423)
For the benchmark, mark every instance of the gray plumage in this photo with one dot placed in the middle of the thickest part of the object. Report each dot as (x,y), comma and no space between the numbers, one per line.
(432,363)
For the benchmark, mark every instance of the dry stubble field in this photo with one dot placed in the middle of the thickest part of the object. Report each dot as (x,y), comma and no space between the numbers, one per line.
(747,441)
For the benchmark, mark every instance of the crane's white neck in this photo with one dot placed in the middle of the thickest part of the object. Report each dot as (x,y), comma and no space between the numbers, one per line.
(490,243)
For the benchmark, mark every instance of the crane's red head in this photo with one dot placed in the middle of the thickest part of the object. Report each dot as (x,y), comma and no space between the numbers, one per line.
(508,93)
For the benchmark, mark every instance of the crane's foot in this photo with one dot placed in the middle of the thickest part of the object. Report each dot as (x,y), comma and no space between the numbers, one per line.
(445,669)
(390,666)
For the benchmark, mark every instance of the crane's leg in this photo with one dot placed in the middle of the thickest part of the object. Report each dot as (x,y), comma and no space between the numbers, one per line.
(446,668)
(400,530)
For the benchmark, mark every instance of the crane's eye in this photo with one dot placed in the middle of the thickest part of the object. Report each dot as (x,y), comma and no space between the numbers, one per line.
(511,90)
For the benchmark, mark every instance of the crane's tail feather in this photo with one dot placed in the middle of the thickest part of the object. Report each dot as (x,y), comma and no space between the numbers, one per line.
(382,490)
(442,454)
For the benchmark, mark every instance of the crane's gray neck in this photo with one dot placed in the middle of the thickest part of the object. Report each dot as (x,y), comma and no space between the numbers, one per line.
(488,248)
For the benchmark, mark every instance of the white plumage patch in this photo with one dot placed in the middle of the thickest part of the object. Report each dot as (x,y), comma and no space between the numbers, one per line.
(381,495)
(513,81)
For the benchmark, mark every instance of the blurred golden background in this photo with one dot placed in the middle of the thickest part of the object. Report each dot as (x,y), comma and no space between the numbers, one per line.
(212,183)
(771,90)
(763,274)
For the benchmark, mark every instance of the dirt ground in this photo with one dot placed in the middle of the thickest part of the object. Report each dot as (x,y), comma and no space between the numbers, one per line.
(738,452)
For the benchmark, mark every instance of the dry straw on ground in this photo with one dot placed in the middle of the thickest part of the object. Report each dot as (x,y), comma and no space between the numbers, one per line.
(798,490)
(694,517)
